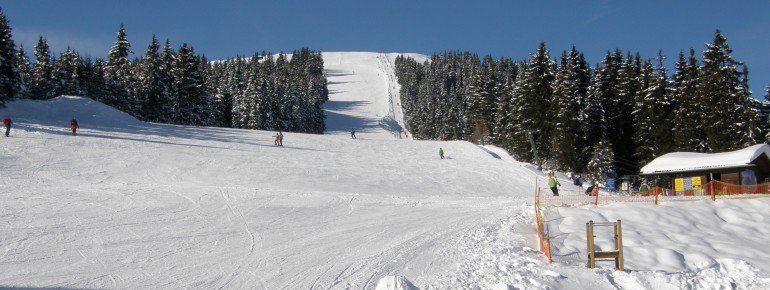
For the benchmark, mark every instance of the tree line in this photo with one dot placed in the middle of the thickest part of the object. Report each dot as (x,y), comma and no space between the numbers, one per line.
(605,120)
(176,86)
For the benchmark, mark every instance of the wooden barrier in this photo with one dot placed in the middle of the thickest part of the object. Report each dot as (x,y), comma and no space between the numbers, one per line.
(616,255)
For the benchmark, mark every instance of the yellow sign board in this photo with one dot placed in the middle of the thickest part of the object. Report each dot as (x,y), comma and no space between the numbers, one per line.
(696,183)
(679,184)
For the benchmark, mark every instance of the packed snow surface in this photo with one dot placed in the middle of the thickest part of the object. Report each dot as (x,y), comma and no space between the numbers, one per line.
(129,204)
(364,94)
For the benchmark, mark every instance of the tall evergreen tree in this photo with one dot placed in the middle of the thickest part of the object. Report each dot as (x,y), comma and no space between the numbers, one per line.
(41,86)
(65,74)
(483,96)
(119,76)
(150,89)
(568,98)
(727,110)
(532,110)
(607,99)
(9,77)
(652,109)
(687,124)
(24,70)
(619,110)
(193,105)
(92,79)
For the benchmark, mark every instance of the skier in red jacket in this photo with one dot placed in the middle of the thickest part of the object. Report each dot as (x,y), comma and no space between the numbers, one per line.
(7,123)
(74,126)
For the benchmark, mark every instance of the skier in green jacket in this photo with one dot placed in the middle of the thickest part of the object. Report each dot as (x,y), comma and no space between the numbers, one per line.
(553,183)
(441,152)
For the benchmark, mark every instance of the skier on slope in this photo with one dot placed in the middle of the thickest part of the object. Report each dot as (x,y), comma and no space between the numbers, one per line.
(353,133)
(277,138)
(553,183)
(74,126)
(441,152)
(7,123)
(280,138)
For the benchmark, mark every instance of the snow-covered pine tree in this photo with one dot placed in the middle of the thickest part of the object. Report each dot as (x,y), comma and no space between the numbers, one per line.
(236,84)
(9,77)
(602,163)
(568,137)
(688,127)
(604,107)
(482,98)
(193,104)
(223,97)
(66,74)
(24,70)
(169,98)
(41,87)
(532,111)
(92,79)
(119,76)
(619,110)
(726,111)
(647,115)
(751,120)
(150,86)
(766,123)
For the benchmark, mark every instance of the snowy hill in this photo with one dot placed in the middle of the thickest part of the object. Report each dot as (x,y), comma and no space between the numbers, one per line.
(129,204)
(364,93)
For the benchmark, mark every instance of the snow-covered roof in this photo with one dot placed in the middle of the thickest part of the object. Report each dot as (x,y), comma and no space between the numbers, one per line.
(690,161)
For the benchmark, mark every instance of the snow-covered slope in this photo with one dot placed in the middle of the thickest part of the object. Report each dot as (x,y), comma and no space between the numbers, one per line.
(364,94)
(129,204)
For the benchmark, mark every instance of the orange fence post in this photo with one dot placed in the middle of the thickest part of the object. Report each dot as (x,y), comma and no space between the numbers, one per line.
(596,195)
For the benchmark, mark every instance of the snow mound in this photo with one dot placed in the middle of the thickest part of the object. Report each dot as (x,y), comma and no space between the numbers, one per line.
(58,112)
(395,283)
(693,245)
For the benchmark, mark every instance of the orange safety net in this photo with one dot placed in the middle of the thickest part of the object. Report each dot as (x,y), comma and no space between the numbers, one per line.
(723,188)
(542,236)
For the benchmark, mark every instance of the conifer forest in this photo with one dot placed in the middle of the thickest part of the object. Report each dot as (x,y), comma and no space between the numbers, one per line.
(607,119)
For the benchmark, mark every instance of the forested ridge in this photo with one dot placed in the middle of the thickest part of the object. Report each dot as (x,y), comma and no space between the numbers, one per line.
(607,119)
(175,85)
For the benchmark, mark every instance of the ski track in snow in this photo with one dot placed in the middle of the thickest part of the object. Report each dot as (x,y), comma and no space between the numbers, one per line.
(128,204)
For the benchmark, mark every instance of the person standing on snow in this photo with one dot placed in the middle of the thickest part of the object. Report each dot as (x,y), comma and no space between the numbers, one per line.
(353,133)
(7,123)
(553,183)
(280,138)
(74,126)
(277,139)
(441,152)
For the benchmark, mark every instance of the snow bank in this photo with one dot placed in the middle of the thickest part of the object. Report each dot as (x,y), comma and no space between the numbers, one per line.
(691,245)
(58,112)
(395,283)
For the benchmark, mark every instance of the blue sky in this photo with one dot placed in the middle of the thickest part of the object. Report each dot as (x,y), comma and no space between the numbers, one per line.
(500,28)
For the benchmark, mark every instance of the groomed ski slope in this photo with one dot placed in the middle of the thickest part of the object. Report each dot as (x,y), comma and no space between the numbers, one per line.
(128,204)
(363,94)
